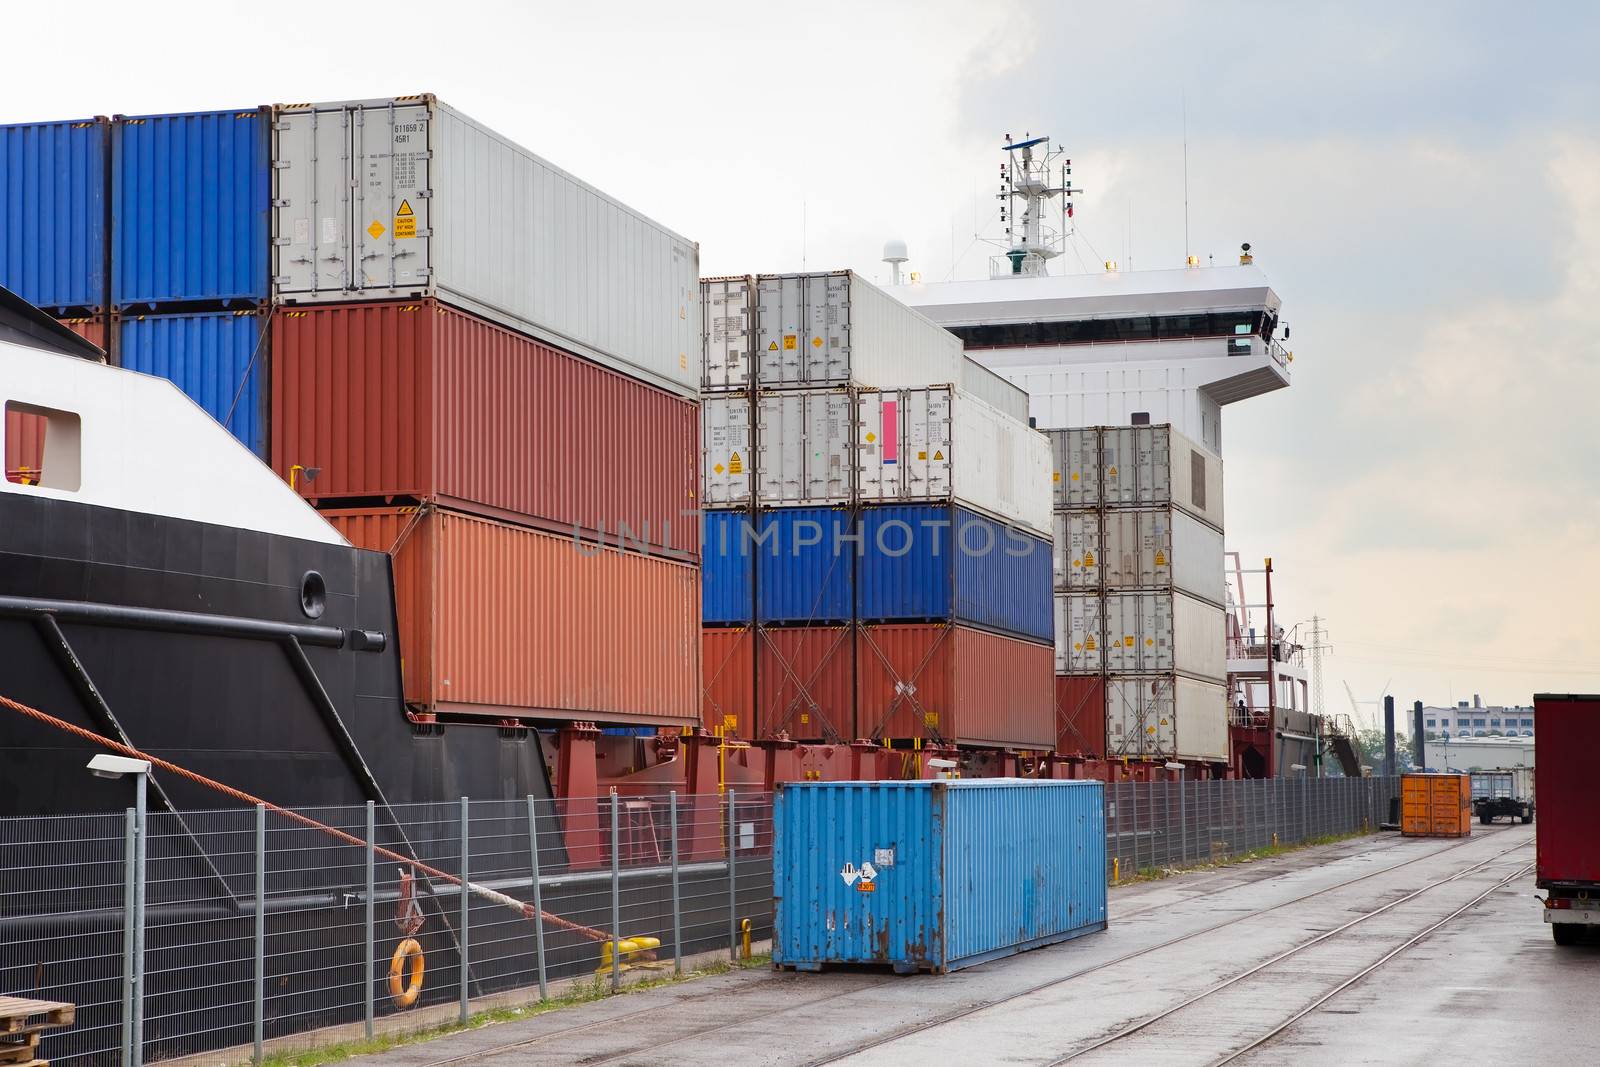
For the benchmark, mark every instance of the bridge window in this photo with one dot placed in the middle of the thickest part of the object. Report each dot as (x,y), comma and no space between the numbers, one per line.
(1233,325)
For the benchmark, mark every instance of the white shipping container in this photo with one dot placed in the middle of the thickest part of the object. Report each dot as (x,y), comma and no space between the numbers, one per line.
(1166,717)
(1144,466)
(407,198)
(991,388)
(1077,551)
(839,329)
(1075,459)
(940,444)
(1151,633)
(1162,549)
(726,454)
(730,325)
(1080,633)
(803,447)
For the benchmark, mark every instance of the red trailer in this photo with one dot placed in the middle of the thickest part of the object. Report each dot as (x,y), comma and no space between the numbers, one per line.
(1565,739)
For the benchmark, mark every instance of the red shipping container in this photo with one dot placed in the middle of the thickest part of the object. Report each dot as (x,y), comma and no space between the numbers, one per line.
(954,683)
(727,678)
(95,329)
(24,445)
(1080,715)
(1566,736)
(422,402)
(501,620)
(805,683)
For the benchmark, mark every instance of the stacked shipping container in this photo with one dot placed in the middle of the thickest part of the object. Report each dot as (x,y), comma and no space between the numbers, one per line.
(877,562)
(1140,649)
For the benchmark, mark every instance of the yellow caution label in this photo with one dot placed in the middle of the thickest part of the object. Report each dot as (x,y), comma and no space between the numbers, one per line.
(805,717)
(773,347)
(405,221)
(1161,559)
(718,468)
(735,464)
(939,455)
(871,437)
(376,229)
(922,454)
(1111,472)
(1165,723)
(790,342)
(1077,563)
(1074,475)
(1078,646)
(730,722)
(930,719)
(1055,476)
(1149,729)
(1088,559)
(816,342)
(1089,644)
(1149,641)
(683,361)
(1128,641)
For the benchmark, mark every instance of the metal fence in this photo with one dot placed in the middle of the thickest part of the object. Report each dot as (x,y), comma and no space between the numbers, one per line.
(249,925)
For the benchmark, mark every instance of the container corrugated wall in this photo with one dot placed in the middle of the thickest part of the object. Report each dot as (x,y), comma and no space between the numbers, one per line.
(24,447)
(805,683)
(215,357)
(727,680)
(958,872)
(53,213)
(805,571)
(956,684)
(499,620)
(937,562)
(189,207)
(1564,746)
(727,560)
(424,402)
(1081,714)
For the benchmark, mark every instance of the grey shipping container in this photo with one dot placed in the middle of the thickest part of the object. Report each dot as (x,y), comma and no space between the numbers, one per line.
(1166,716)
(803,447)
(1149,633)
(1163,548)
(730,325)
(406,198)
(726,457)
(988,386)
(1135,467)
(1078,555)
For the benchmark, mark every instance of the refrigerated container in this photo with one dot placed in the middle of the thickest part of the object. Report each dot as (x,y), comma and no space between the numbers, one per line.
(936,875)
(1081,715)
(499,621)
(1166,548)
(406,198)
(727,456)
(839,329)
(423,402)
(927,562)
(803,447)
(1152,465)
(727,568)
(1075,461)
(1567,854)
(955,684)
(1078,557)
(53,213)
(727,680)
(991,388)
(942,444)
(805,683)
(217,357)
(805,566)
(1166,716)
(1151,633)
(730,329)
(189,207)
(1080,631)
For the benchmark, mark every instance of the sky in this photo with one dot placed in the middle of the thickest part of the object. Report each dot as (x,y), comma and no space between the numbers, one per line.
(1418,180)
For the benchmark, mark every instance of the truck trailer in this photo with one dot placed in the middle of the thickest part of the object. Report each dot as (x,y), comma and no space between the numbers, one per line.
(1507,793)
(1568,861)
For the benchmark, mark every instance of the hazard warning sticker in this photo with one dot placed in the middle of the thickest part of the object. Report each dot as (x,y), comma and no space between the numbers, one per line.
(773,347)
(790,342)
(405,221)
(735,464)
(816,342)
(376,229)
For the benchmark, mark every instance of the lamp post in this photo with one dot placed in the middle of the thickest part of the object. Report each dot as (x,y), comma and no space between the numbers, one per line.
(106,765)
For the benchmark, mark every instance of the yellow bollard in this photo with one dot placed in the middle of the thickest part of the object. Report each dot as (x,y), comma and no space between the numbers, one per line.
(744,938)
(1274,840)
(1116,870)
(636,952)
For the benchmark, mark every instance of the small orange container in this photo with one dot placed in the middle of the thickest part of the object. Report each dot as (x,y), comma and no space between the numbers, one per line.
(1436,805)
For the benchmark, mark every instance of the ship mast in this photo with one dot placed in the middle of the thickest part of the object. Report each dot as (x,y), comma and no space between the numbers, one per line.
(1033,176)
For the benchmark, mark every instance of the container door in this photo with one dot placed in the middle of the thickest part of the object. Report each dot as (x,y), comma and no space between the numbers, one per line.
(1080,634)
(725,450)
(780,448)
(1077,550)
(830,429)
(804,448)
(1075,457)
(1155,548)
(729,333)
(1156,642)
(391,149)
(1155,467)
(930,440)
(780,311)
(1119,481)
(311,203)
(880,472)
(827,340)
(1140,717)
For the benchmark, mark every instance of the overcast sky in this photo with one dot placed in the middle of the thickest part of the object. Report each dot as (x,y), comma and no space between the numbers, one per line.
(1421,183)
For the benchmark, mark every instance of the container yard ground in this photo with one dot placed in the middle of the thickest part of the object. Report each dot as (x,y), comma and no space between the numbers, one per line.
(1488,985)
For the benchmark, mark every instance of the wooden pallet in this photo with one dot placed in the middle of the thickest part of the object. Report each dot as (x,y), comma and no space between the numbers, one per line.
(20,1047)
(19,1037)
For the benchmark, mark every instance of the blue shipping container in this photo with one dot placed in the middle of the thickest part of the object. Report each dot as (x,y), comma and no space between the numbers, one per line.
(942,563)
(805,569)
(934,875)
(53,213)
(190,207)
(208,355)
(727,567)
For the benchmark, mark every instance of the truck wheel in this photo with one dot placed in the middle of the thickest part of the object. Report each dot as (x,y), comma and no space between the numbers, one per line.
(1566,933)
(1486,818)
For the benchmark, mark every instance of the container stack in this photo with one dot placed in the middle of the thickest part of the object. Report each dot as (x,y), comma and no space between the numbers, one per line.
(876,536)
(481,366)
(1140,647)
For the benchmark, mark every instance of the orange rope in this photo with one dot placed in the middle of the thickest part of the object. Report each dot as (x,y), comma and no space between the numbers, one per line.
(527,911)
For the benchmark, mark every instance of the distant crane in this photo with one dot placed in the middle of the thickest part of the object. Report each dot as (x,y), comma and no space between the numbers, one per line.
(1355,705)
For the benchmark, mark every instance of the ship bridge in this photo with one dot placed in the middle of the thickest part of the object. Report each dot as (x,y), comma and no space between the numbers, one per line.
(1107,348)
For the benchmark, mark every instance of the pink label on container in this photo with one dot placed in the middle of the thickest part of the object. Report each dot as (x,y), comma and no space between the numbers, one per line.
(891,431)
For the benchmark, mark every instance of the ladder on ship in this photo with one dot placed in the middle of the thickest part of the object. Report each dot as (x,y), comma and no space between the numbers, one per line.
(1340,734)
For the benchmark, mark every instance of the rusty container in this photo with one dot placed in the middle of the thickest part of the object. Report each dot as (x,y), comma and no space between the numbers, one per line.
(1081,715)
(727,679)
(805,683)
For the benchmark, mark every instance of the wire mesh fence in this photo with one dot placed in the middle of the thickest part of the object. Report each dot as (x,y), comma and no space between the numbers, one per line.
(256,926)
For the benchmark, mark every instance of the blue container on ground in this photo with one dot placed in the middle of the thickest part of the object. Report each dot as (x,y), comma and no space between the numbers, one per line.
(805,567)
(960,872)
(933,562)
(207,355)
(190,208)
(727,568)
(53,213)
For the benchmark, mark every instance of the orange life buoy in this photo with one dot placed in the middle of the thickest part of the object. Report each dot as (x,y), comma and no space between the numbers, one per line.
(405,995)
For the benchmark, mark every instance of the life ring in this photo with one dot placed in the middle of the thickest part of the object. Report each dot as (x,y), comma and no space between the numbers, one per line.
(405,995)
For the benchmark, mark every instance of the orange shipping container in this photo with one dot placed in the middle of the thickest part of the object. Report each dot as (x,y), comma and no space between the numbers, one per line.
(956,684)
(501,620)
(727,663)
(805,683)
(1081,714)
(1436,805)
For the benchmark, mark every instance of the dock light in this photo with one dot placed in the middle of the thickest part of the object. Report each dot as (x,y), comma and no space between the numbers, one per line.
(106,765)
(1174,766)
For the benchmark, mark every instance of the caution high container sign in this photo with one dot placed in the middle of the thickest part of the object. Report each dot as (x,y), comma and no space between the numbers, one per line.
(936,875)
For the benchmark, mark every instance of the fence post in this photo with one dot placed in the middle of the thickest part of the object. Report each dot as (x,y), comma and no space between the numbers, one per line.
(616,895)
(1183,816)
(141,853)
(372,887)
(127,936)
(260,995)
(677,911)
(733,907)
(466,905)
(1116,828)
(538,898)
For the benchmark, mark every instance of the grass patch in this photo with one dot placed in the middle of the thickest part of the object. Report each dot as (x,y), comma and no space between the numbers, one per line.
(596,988)
(1156,874)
